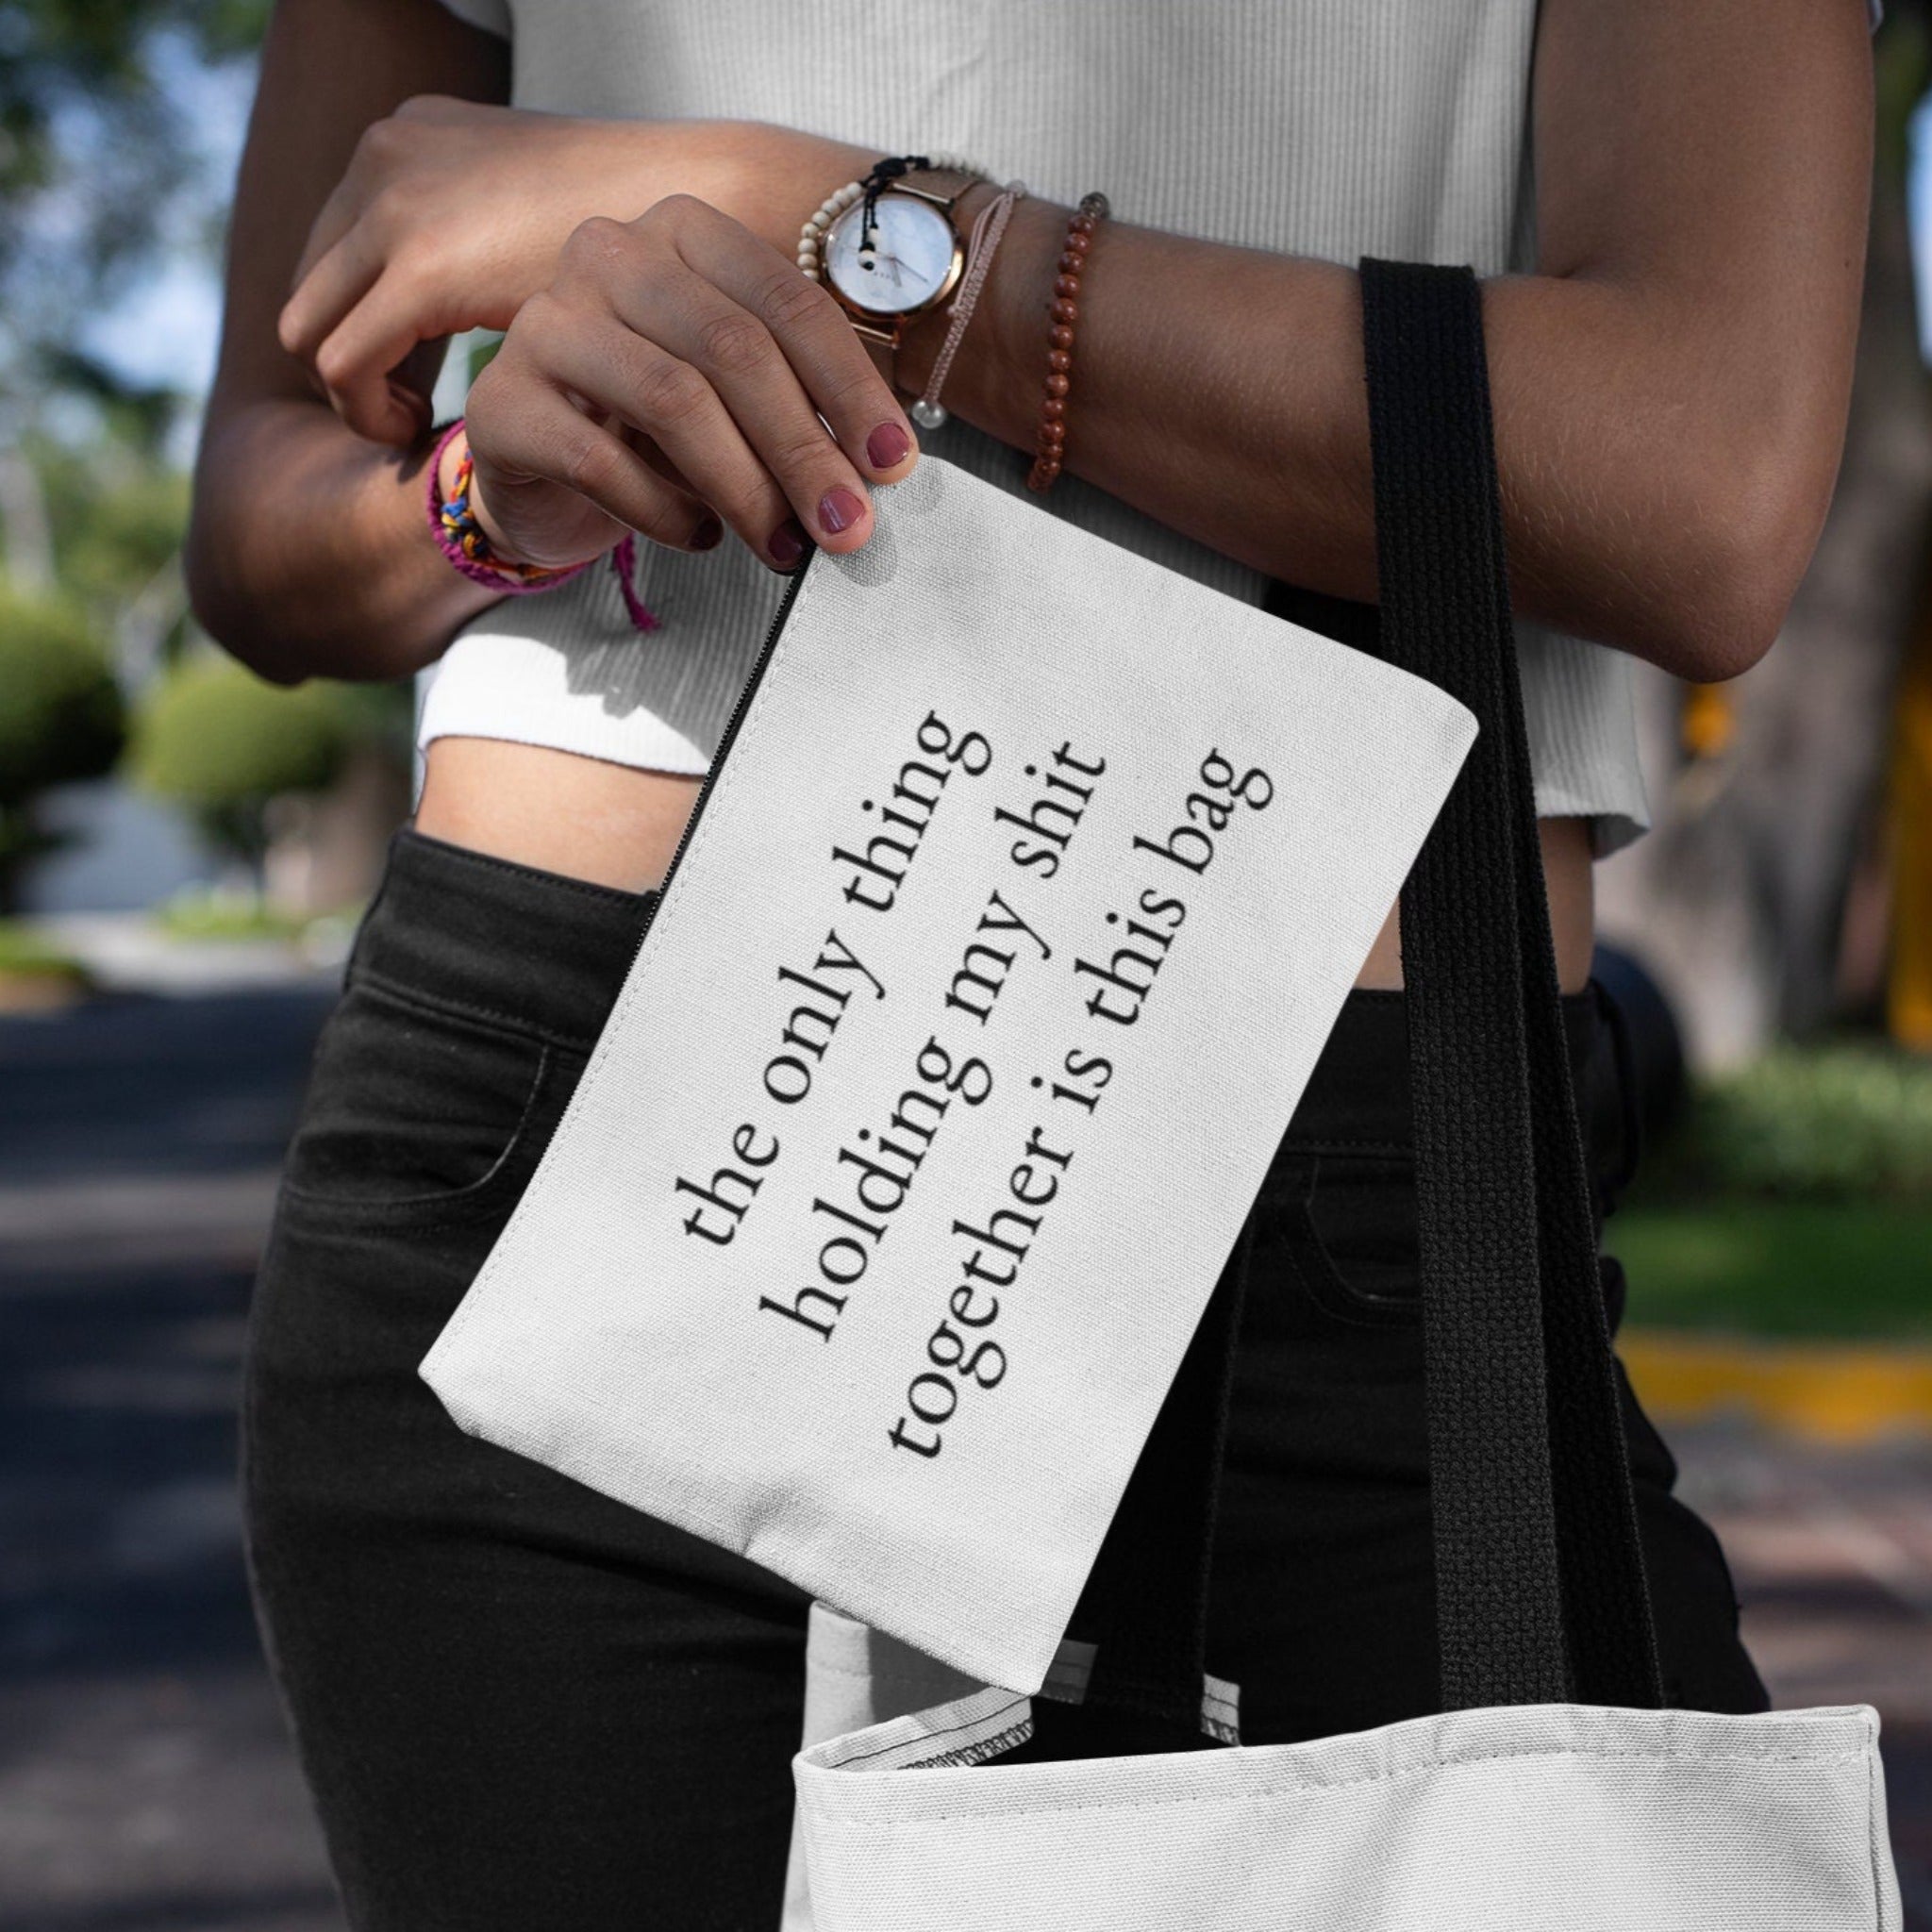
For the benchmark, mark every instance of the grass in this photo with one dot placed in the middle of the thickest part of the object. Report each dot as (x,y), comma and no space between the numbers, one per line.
(1839,1121)
(209,915)
(1793,1199)
(1834,1269)
(26,955)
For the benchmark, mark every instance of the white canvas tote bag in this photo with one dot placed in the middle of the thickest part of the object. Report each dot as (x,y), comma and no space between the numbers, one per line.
(1552,1792)
(1020,902)
(855,1677)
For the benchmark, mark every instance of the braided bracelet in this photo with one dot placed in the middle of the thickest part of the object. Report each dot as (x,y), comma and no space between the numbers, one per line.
(985,238)
(464,542)
(1051,447)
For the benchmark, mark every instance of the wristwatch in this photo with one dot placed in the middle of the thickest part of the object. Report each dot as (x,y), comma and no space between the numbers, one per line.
(916,258)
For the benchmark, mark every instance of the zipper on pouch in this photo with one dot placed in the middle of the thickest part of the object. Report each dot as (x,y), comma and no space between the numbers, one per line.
(794,585)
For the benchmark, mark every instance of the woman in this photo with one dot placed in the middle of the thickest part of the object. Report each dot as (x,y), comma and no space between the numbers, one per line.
(519,1704)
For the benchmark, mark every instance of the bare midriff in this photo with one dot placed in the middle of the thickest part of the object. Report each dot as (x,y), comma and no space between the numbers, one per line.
(616,826)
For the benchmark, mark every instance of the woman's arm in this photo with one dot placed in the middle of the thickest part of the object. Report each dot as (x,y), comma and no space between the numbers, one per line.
(378,211)
(1670,384)
(305,548)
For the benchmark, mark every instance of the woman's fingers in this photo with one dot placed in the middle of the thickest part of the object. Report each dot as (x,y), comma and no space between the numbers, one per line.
(684,331)
(775,367)
(320,297)
(350,323)
(539,440)
(794,463)
(355,359)
(666,399)
(814,335)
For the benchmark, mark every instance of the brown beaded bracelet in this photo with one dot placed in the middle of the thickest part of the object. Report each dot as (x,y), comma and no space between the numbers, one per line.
(1051,447)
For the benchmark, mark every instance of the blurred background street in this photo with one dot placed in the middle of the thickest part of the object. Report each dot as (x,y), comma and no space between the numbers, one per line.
(184,852)
(146,1777)
(145,1780)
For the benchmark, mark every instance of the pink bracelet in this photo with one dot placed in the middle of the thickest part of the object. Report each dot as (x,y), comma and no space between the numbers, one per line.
(463,540)
(986,232)
(985,238)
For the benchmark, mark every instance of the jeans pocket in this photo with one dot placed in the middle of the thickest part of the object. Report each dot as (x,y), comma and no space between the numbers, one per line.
(1346,1229)
(415,1113)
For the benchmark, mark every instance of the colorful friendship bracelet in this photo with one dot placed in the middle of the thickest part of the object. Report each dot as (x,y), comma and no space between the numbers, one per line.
(463,540)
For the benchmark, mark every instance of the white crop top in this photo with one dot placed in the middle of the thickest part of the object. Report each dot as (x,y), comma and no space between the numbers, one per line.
(1331,128)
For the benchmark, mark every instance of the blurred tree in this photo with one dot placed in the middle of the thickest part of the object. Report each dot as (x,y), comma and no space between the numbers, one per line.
(61,718)
(217,741)
(95,141)
(116,508)
(97,156)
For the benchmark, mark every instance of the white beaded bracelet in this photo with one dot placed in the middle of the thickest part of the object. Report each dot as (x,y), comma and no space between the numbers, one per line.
(812,237)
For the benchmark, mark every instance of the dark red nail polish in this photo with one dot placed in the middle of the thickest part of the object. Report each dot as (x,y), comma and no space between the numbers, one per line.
(887,446)
(838,510)
(708,536)
(786,545)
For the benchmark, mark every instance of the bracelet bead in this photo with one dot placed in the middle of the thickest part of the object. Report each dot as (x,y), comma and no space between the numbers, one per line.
(1063,312)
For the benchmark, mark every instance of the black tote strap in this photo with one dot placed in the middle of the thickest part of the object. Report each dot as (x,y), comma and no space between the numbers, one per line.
(1536,1524)
(1540,1589)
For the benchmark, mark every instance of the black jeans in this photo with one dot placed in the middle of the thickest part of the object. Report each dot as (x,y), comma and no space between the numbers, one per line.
(521,1706)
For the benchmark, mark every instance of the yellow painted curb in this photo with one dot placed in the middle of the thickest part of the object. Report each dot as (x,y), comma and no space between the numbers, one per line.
(1835,1392)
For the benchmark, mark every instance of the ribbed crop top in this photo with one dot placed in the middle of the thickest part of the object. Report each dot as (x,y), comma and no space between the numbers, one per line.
(1331,128)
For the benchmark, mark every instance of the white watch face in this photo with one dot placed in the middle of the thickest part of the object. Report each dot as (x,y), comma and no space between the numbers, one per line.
(913,244)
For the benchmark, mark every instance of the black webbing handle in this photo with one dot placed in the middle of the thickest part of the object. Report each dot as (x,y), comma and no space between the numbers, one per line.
(1539,1581)
(1535,1522)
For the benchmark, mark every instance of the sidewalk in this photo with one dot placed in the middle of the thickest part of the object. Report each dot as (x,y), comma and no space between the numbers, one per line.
(1831,1550)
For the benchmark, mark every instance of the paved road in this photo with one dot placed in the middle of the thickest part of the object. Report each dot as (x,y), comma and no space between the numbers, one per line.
(146,1777)
(146,1780)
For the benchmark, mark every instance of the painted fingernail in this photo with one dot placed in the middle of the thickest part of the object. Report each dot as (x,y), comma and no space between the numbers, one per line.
(708,536)
(887,446)
(786,545)
(838,510)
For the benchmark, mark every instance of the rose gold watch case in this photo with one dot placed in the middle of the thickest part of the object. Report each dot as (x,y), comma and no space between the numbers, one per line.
(885,328)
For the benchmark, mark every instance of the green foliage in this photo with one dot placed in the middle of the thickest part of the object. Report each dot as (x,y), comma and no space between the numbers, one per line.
(26,955)
(1902,63)
(117,513)
(90,122)
(61,718)
(1785,1268)
(1840,1123)
(203,912)
(214,739)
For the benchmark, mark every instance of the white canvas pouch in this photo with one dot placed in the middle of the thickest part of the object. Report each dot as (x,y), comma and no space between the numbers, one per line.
(1022,895)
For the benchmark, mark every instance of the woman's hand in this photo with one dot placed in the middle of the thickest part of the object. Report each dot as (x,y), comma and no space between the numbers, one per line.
(451,214)
(676,366)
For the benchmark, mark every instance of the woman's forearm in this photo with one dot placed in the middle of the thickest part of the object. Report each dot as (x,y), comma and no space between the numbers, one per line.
(1669,386)
(312,555)
(1655,502)
(307,554)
